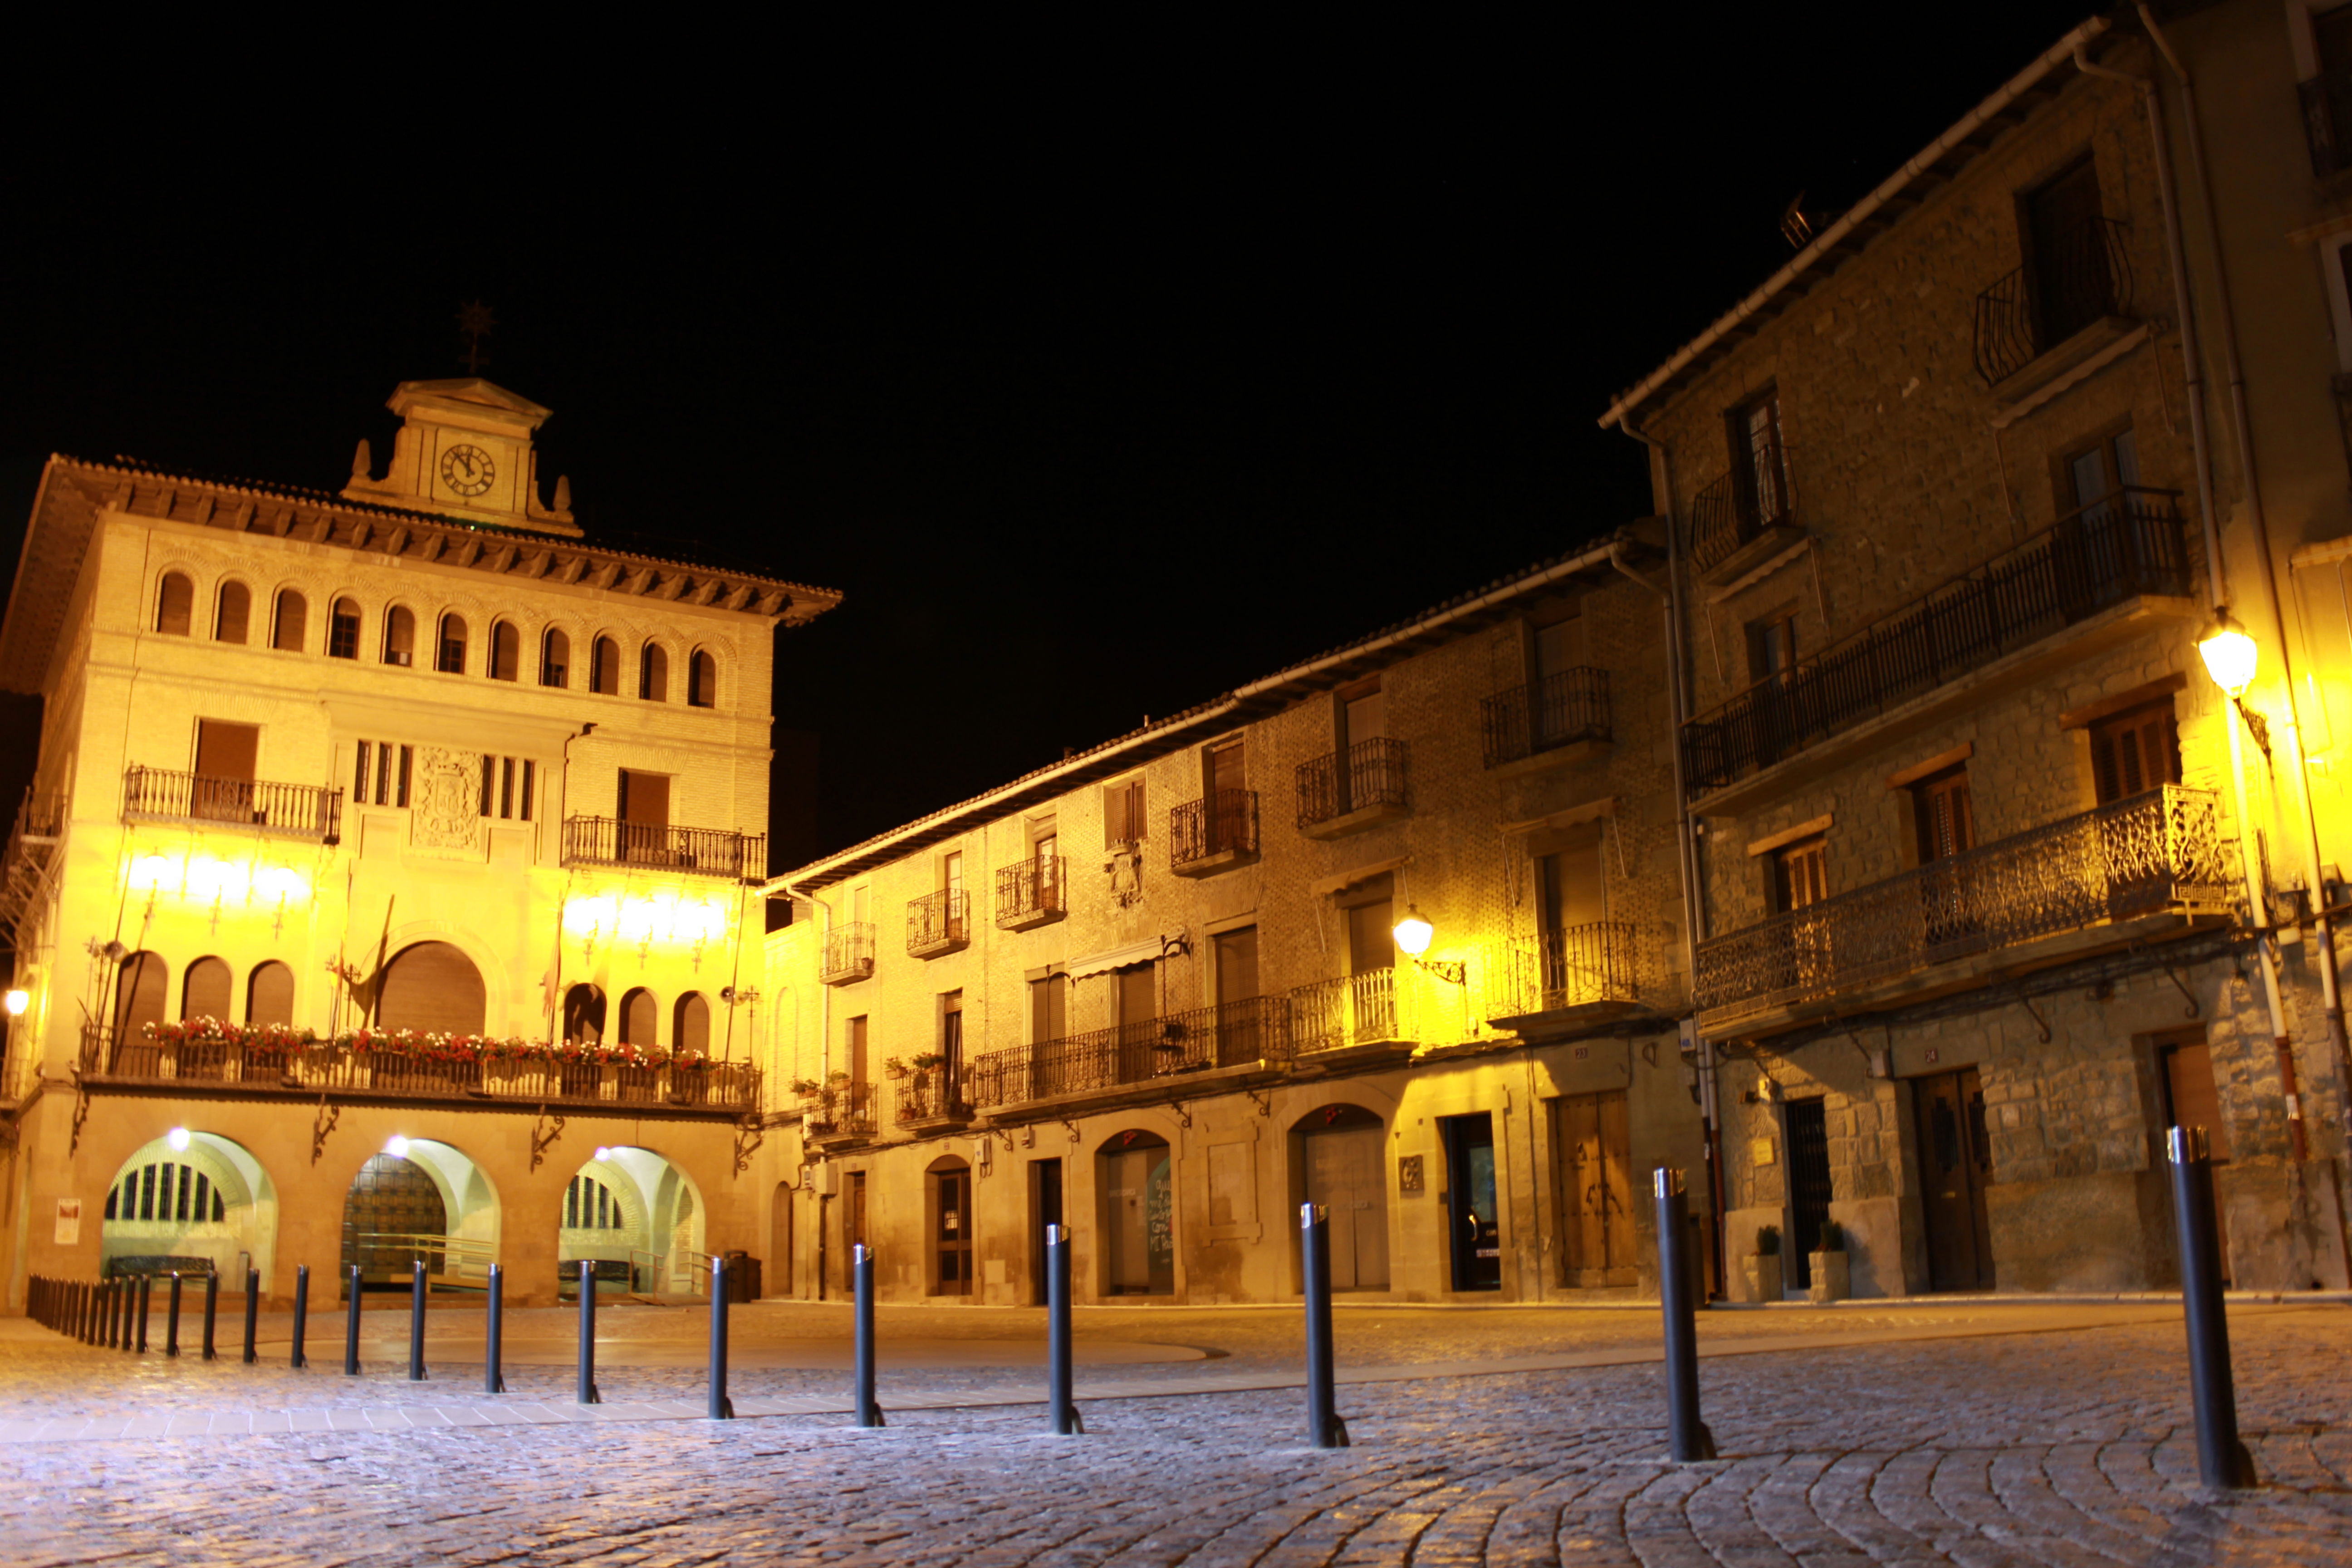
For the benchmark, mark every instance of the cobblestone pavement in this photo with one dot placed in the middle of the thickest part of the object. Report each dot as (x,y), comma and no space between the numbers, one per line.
(2068,1446)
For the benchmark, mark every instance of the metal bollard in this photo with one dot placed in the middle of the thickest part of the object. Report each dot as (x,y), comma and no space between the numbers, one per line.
(869,1409)
(721,1407)
(2222,1460)
(118,1313)
(1062,1410)
(588,1394)
(252,1315)
(146,1294)
(212,1312)
(493,1378)
(416,1321)
(1325,1426)
(172,1319)
(301,1312)
(1686,1434)
(78,1320)
(351,1323)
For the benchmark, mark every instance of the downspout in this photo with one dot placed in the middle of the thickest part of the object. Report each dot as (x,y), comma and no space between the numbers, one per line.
(563,816)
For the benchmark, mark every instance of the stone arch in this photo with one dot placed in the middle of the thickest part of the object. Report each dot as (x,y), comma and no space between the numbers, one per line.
(689,1025)
(388,1197)
(604,665)
(231,611)
(449,635)
(176,604)
(208,990)
(665,1219)
(1136,1218)
(142,988)
(400,636)
(289,621)
(434,988)
(505,651)
(345,621)
(639,1020)
(653,672)
(701,680)
(554,656)
(190,1195)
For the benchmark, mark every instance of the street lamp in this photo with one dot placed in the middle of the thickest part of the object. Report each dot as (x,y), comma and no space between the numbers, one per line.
(1413,938)
(178,1139)
(18,1000)
(397,1147)
(2230,656)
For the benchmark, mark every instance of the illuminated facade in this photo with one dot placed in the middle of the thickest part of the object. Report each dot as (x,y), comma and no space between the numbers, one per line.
(391,855)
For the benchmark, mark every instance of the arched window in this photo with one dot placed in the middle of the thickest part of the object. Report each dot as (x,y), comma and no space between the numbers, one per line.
(605,670)
(141,988)
(652,674)
(343,629)
(291,622)
(554,657)
(590,1205)
(690,1029)
(433,988)
(230,613)
(505,651)
(451,658)
(166,1191)
(702,681)
(175,602)
(204,992)
(584,1015)
(399,636)
(269,995)
(638,1016)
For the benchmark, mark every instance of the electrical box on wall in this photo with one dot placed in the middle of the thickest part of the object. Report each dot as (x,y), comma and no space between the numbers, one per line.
(826,1179)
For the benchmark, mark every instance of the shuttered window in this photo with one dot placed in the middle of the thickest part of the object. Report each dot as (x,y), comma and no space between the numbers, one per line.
(1800,874)
(2135,750)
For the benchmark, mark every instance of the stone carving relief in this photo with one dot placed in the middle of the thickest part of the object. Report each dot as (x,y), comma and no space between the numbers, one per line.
(446,800)
(1126,868)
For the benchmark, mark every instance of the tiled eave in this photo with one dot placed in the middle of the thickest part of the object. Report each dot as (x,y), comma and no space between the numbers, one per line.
(74,491)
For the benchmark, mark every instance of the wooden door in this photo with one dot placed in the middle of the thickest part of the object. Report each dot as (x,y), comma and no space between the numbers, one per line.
(952,1240)
(1139,1022)
(391,1197)
(2192,1099)
(1593,1134)
(1955,1167)
(1344,1176)
(1134,1187)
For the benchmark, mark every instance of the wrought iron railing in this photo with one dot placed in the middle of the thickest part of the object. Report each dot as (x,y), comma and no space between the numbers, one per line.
(1740,505)
(2128,544)
(389,1255)
(1031,890)
(848,953)
(927,1094)
(938,922)
(2155,852)
(1354,1009)
(1557,711)
(698,851)
(1574,966)
(1221,822)
(25,866)
(1232,1034)
(2327,121)
(840,1110)
(2085,276)
(1368,774)
(298,811)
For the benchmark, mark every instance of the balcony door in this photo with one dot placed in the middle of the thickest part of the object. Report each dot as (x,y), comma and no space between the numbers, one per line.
(2097,550)
(1558,651)
(2067,256)
(1944,820)
(645,816)
(1571,900)
(1228,802)
(1136,995)
(225,754)
(1955,1169)
(1237,1012)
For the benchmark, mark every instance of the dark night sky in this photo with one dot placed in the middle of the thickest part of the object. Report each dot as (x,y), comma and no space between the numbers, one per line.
(1096,403)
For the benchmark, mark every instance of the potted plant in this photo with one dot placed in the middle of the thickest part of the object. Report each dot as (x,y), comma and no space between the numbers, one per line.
(1833,1273)
(1764,1267)
(893,1067)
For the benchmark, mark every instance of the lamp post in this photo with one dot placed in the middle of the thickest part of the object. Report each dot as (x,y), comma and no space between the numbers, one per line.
(1414,935)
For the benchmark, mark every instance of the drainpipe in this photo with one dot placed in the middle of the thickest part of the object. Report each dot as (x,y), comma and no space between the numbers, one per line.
(563,816)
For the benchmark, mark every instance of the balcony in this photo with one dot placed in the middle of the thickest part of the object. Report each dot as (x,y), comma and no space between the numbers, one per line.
(2089,577)
(1744,515)
(1562,979)
(1156,1053)
(1352,1010)
(2042,304)
(25,866)
(1557,711)
(293,811)
(848,954)
(1213,833)
(938,922)
(1349,790)
(2105,879)
(1032,893)
(696,851)
(838,1114)
(931,1098)
(2327,121)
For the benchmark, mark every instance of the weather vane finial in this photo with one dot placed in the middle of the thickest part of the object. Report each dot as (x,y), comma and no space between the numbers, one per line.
(473,319)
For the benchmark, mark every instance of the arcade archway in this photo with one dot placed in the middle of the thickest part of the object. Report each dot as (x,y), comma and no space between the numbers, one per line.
(638,1220)
(194,1197)
(420,1200)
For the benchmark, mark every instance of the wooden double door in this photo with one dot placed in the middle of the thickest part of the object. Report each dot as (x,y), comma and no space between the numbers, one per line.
(1346,1177)
(1955,1169)
(1598,1245)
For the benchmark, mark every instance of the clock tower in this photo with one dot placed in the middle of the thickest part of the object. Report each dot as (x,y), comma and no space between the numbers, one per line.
(464,449)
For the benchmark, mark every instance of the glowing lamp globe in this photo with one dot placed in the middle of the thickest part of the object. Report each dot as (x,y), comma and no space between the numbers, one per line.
(17,1002)
(1413,933)
(397,1147)
(2229,653)
(178,1139)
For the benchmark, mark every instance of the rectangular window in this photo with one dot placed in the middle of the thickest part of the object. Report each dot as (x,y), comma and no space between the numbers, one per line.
(2099,470)
(227,751)
(951,871)
(1559,645)
(1363,713)
(1772,647)
(2135,750)
(1123,821)
(1758,464)
(1944,814)
(380,773)
(857,1049)
(859,902)
(1049,1008)
(364,752)
(1800,874)
(1224,772)
(490,783)
(1136,993)
(644,798)
(2066,255)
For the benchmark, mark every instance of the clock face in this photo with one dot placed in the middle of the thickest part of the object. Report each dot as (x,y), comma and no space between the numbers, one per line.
(468,470)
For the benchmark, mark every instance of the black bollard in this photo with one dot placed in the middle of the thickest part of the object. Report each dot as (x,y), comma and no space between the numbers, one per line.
(252,1315)
(1687,1433)
(416,1322)
(588,1394)
(301,1312)
(351,1323)
(212,1312)
(1062,1412)
(493,1378)
(869,1409)
(115,1315)
(2222,1460)
(172,1319)
(721,1407)
(120,1329)
(76,1324)
(146,1295)
(1325,1426)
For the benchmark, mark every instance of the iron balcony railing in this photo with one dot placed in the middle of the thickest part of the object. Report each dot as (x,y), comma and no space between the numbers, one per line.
(698,851)
(929,1094)
(1221,822)
(2085,275)
(1574,966)
(848,953)
(297,811)
(323,1069)
(1354,1009)
(1368,774)
(1031,891)
(840,1110)
(1231,1034)
(1739,506)
(938,922)
(2128,544)
(1557,711)
(2327,121)
(2156,852)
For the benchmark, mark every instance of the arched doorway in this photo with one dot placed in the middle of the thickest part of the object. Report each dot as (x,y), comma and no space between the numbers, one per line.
(420,1199)
(948,1208)
(638,1220)
(142,992)
(433,988)
(192,1196)
(1134,1173)
(1340,1154)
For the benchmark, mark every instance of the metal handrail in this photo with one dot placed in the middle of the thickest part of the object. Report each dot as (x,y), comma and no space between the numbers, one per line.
(839,1110)
(1031,888)
(460,1257)
(1230,1033)
(926,1093)
(1740,504)
(1560,710)
(848,953)
(262,805)
(2047,300)
(1353,1009)
(1574,966)
(1369,773)
(937,921)
(696,851)
(1220,822)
